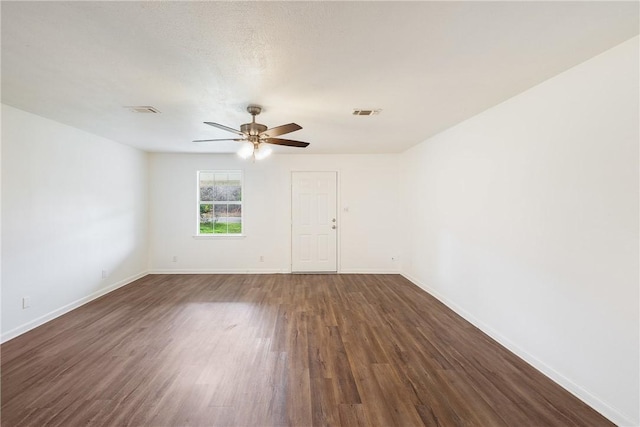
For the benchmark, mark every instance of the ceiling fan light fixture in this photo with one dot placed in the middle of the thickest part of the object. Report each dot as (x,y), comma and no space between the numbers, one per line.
(246,150)
(262,152)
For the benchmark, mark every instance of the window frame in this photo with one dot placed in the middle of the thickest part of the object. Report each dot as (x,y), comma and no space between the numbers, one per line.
(214,203)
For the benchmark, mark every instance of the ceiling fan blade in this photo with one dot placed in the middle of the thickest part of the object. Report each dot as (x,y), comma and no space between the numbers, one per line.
(224,139)
(287,142)
(223,127)
(280,130)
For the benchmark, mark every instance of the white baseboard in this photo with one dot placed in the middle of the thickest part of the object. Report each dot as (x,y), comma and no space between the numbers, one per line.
(67,308)
(261,271)
(605,409)
(369,271)
(221,271)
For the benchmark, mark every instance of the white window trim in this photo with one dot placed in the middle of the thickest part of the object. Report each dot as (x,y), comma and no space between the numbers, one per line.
(218,236)
(199,236)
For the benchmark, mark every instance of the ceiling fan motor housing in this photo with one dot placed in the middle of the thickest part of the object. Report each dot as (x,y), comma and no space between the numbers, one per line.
(252,128)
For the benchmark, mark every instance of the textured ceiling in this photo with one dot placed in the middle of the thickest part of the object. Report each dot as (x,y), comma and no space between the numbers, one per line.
(427,65)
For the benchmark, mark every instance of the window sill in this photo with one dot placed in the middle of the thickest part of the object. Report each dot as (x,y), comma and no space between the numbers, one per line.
(218,236)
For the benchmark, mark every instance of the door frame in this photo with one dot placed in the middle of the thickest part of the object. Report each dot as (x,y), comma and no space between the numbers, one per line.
(338,216)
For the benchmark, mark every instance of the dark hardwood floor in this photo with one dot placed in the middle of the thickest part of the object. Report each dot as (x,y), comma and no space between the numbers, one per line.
(273,350)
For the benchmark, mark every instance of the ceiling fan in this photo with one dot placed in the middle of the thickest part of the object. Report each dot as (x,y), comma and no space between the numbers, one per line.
(253,135)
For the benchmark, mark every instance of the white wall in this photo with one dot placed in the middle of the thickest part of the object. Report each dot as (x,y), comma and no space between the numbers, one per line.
(525,220)
(73,204)
(368,233)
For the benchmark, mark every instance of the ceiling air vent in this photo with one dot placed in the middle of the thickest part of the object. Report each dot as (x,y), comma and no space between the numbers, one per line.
(143,109)
(362,112)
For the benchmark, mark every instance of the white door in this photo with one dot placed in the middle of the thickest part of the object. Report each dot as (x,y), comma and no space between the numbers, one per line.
(313,222)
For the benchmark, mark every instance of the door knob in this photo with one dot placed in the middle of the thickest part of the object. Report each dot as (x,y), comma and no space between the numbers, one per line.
(333,227)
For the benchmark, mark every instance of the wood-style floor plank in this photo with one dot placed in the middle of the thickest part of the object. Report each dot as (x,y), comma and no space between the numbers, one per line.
(273,350)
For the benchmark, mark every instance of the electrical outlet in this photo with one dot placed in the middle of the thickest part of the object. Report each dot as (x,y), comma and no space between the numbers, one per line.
(104,274)
(261,258)
(26,302)
(175,258)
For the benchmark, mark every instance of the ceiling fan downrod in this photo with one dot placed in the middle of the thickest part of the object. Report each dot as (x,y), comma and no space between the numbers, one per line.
(253,128)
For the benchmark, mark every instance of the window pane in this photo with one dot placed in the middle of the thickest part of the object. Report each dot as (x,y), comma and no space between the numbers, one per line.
(206,176)
(206,219)
(206,194)
(219,188)
(219,192)
(206,186)
(220,219)
(235,211)
(234,219)
(221,176)
(234,193)
(234,190)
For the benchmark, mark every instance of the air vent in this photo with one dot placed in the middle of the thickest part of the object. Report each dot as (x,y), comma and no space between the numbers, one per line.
(361,112)
(143,109)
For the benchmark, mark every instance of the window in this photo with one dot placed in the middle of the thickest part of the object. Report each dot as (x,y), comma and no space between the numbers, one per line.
(219,202)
